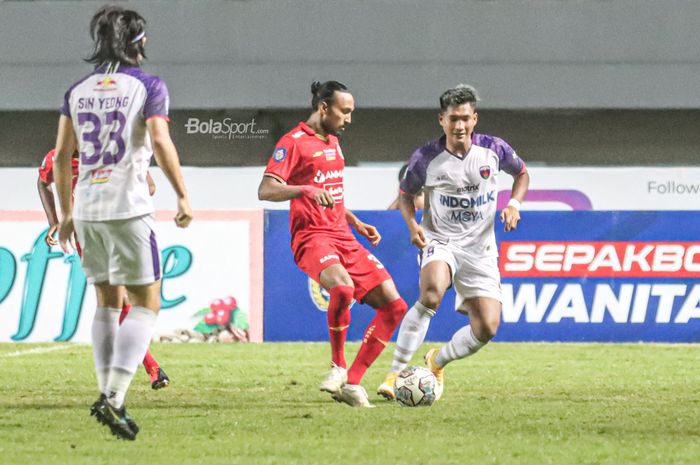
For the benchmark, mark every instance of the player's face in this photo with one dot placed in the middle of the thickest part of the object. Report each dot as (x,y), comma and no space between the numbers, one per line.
(458,122)
(337,115)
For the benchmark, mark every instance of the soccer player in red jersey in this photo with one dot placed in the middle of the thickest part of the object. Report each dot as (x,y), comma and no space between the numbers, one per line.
(159,379)
(306,168)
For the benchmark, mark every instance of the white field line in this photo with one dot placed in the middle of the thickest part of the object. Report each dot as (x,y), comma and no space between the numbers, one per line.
(36,350)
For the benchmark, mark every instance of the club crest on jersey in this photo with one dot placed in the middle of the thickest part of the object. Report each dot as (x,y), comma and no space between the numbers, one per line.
(279,154)
(100,176)
(485,171)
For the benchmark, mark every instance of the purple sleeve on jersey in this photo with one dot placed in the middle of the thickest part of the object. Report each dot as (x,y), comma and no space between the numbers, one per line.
(508,160)
(415,176)
(157,98)
(65,108)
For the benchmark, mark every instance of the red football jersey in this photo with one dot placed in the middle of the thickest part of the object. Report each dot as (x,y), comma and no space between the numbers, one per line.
(304,158)
(46,168)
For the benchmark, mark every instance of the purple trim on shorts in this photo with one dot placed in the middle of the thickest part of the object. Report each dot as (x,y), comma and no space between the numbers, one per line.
(155,255)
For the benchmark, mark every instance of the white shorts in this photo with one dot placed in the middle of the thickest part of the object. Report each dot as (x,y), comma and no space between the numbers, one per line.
(472,276)
(121,252)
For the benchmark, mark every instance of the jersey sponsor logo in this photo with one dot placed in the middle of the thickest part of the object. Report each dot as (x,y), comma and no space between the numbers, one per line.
(601,259)
(665,303)
(468,188)
(485,171)
(279,154)
(466,216)
(330,154)
(336,190)
(467,202)
(100,176)
(106,84)
(317,154)
(322,177)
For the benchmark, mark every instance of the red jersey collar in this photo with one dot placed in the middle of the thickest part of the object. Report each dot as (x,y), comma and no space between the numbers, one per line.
(307,129)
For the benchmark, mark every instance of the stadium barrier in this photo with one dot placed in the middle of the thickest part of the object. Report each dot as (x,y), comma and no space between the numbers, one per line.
(43,292)
(588,276)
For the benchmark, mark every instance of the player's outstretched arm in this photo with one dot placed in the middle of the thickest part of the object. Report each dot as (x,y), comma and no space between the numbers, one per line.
(510,215)
(166,157)
(408,212)
(47,201)
(62,173)
(366,230)
(273,190)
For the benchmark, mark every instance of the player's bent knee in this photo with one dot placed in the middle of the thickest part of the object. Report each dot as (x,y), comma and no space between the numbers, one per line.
(431,298)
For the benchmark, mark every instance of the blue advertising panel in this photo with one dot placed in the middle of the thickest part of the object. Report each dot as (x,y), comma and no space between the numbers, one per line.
(567,276)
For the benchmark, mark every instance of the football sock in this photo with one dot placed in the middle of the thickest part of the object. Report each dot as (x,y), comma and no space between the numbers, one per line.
(411,335)
(463,344)
(125,311)
(104,329)
(376,337)
(149,362)
(130,346)
(338,321)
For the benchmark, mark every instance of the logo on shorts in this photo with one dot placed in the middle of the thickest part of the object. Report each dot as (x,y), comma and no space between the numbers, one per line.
(279,154)
(485,171)
(328,257)
(319,296)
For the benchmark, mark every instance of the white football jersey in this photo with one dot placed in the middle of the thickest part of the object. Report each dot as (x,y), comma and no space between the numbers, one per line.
(109,112)
(461,192)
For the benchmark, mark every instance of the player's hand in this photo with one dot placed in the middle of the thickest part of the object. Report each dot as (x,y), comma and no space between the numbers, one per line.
(321,196)
(370,232)
(50,240)
(510,217)
(66,235)
(184,213)
(418,237)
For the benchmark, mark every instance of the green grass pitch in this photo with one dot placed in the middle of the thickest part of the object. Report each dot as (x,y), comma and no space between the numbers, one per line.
(260,404)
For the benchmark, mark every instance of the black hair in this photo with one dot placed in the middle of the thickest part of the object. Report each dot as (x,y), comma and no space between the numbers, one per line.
(402,171)
(114,30)
(459,95)
(325,92)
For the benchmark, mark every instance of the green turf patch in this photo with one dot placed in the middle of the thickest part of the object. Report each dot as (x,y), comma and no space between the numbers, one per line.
(259,404)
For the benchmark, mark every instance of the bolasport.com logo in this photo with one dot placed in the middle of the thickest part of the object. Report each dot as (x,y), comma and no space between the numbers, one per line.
(226,128)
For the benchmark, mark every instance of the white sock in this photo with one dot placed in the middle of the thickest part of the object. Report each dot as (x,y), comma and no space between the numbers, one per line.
(463,344)
(411,335)
(104,331)
(133,339)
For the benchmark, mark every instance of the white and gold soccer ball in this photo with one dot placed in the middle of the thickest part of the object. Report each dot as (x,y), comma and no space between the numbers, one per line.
(415,387)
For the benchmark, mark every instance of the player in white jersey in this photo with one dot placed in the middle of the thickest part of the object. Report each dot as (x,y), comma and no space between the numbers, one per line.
(117,118)
(458,174)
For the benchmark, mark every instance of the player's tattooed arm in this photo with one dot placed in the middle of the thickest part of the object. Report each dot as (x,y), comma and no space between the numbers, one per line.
(510,215)
(364,229)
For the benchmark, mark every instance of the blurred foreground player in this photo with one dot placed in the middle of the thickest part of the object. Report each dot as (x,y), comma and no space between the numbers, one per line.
(159,379)
(117,118)
(458,174)
(307,168)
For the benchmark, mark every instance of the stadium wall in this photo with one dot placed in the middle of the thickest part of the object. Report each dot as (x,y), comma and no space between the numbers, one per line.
(43,295)
(395,53)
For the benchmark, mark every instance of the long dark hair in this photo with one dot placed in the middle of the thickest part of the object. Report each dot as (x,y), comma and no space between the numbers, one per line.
(117,35)
(325,92)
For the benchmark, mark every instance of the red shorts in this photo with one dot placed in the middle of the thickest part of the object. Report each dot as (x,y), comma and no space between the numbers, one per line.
(318,253)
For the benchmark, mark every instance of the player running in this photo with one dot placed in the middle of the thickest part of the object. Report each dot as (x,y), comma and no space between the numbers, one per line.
(117,118)
(307,167)
(159,379)
(458,173)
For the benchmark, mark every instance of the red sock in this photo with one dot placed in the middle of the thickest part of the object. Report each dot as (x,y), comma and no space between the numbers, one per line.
(126,308)
(339,321)
(150,363)
(376,338)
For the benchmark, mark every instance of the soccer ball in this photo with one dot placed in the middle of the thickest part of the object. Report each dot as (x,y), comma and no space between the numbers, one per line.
(415,386)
